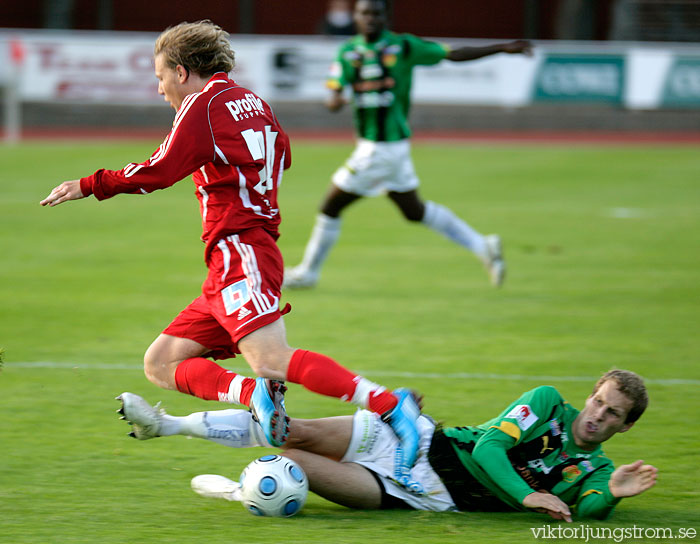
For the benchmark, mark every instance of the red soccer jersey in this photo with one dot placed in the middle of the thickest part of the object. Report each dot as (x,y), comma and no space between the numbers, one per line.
(230,141)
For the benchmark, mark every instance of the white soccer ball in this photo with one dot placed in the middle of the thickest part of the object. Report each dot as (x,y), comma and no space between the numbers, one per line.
(273,486)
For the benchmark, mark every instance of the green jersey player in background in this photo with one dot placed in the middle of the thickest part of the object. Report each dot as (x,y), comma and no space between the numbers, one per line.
(378,65)
(540,453)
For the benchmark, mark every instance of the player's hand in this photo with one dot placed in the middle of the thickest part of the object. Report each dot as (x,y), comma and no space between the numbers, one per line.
(336,101)
(548,504)
(518,47)
(68,190)
(631,480)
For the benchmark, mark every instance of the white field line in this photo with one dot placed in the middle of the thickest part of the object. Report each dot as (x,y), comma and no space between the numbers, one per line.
(380,373)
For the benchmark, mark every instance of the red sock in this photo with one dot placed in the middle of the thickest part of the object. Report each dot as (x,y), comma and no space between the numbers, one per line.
(323,375)
(205,379)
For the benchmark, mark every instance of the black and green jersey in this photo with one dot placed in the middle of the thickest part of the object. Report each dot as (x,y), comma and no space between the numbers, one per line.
(529,447)
(380,74)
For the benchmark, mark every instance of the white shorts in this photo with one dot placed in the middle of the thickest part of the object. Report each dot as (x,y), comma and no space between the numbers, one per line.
(373,445)
(377,167)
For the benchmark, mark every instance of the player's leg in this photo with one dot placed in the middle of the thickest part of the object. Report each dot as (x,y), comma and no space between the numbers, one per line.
(242,291)
(323,237)
(328,436)
(346,484)
(402,185)
(442,220)
(164,355)
(232,428)
(175,360)
(268,354)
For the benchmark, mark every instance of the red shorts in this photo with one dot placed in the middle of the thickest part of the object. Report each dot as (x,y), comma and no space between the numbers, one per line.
(241,294)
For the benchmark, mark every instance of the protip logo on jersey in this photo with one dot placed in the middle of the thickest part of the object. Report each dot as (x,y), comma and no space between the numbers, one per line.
(524,415)
(247,107)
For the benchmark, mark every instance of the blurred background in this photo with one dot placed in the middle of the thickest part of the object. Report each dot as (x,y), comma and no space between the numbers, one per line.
(600,65)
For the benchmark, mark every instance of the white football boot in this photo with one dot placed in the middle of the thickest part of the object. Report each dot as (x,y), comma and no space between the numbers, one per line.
(144,418)
(494,262)
(215,486)
(299,278)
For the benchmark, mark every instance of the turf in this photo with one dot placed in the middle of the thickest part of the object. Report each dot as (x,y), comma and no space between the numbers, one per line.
(602,249)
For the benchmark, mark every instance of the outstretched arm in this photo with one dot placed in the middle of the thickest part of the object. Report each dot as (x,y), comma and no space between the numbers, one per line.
(603,492)
(472,53)
(68,190)
(631,480)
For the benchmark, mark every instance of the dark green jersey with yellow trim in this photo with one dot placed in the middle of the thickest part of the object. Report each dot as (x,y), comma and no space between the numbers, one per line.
(381,74)
(528,447)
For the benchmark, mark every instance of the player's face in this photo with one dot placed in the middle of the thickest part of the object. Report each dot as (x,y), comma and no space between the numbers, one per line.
(169,82)
(369,17)
(603,415)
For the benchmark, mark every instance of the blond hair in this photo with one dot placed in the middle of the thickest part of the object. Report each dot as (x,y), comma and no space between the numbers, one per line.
(632,386)
(201,47)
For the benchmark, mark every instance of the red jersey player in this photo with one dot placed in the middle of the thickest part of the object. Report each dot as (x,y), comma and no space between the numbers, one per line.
(230,141)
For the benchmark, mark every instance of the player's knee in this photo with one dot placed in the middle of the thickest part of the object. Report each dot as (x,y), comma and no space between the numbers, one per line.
(155,367)
(413,216)
(150,358)
(302,435)
(269,358)
(269,366)
(150,365)
(414,213)
(150,376)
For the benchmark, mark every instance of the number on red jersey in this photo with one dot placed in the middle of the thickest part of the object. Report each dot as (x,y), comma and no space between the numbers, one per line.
(262,146)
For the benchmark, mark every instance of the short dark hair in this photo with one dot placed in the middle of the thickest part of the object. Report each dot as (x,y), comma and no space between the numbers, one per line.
(201,47)
(632,386)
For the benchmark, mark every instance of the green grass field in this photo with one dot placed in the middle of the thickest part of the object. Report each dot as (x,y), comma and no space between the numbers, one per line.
(603,255)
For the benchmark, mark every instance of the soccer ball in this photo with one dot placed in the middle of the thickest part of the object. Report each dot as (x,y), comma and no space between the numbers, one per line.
(273,486)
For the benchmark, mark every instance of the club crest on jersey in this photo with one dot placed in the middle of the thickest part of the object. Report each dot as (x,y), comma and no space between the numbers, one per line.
(389,60)
(390,55)
(524,415)
(571,473)
(246,107)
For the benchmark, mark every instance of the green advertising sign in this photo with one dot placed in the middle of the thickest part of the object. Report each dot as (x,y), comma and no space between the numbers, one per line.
(682,86)
(580,78)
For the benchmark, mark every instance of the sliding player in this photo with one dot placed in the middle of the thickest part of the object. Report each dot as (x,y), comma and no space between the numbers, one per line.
(540,453)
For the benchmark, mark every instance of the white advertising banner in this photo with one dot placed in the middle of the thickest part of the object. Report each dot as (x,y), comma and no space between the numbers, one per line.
(117,68)
(107,67)
(86,67)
